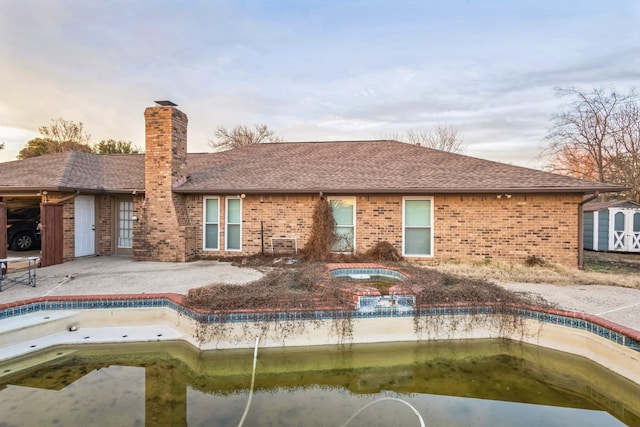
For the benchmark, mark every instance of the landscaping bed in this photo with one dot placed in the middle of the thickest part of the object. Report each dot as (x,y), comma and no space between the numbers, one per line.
(302,285)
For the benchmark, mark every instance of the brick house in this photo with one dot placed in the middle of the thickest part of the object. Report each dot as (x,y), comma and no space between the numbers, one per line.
(167,205)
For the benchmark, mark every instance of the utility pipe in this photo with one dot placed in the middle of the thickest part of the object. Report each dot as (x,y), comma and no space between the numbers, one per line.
(581,228)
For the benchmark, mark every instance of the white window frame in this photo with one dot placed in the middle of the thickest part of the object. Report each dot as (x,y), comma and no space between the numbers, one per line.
(204,223)
(352,198)
(431,227)
(596,231)
(227,223)
(125,224)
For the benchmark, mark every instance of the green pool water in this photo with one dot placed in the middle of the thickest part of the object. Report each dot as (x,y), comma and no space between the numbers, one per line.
(457,383)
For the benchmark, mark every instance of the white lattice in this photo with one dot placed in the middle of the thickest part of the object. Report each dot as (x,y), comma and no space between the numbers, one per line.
(618,240)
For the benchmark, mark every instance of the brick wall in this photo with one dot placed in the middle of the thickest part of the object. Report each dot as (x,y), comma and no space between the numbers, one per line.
(104,225)
(378,218)
(483,227)
(282,217)
(465,227)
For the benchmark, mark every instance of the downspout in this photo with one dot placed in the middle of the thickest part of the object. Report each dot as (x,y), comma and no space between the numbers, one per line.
(581,228)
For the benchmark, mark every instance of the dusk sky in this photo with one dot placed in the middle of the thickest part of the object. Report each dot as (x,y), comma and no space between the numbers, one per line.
(312,70)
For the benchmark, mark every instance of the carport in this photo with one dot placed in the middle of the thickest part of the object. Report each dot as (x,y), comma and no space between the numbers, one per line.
(51,225)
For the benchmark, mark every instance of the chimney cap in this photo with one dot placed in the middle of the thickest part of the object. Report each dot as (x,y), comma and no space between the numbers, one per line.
(166,103)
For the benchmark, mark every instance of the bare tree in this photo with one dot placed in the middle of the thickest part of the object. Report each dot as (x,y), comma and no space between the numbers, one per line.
(573,161)
(597,137)
(625,163)
(241,136)
(586,125)
(62,135)
(443,137)
(65,132)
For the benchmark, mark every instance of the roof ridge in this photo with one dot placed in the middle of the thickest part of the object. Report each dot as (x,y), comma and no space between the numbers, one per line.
(75,159)
(345,141)
(67,168)
(302,143)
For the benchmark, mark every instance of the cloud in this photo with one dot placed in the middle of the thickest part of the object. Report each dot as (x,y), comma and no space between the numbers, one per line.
(324,70)
(13,140)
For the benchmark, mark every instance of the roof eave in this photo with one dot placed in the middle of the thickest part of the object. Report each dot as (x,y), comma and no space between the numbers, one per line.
(522,190)
(11,190)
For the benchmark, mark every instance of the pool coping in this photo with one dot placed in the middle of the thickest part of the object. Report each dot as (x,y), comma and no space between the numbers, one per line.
(614,332)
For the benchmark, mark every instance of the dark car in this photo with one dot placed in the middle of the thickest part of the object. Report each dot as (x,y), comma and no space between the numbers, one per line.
(22,228)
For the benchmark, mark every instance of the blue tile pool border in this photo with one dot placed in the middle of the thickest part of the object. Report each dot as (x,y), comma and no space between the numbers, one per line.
(374,271)
(579,321)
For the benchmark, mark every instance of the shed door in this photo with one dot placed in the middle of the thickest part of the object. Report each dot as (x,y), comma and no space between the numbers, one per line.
(85,226)
(634,225)
(625,230)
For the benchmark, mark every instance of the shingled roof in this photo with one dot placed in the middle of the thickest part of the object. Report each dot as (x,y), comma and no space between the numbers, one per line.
(304,167)
(72,170)
(366,167)
(596,205)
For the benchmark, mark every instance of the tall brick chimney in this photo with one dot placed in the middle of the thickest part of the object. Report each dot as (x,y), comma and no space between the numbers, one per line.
(166,148)
(163,226)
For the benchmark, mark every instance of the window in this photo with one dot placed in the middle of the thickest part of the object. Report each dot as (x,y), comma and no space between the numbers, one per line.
(344,215)
(211,237)
(125,224)
(417,236)
(233,232)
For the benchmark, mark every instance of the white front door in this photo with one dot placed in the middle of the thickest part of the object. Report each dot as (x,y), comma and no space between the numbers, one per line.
(85,226)
(625,230)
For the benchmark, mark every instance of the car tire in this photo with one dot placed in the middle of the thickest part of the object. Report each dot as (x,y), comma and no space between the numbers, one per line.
(22,241)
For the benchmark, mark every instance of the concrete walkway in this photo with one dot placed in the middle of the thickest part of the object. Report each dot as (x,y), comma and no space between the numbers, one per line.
(614,303)
(121,275)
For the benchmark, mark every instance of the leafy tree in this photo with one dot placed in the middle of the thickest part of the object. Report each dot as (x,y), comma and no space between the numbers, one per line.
(62,135)
(41,146)
(443,137)
(241,136)
(597,137)
(111,146)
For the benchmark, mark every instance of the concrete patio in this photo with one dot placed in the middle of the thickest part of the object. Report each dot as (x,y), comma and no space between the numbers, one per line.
(121,275)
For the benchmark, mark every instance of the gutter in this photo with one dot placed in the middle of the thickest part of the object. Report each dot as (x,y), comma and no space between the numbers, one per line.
(581,228)
(430,191)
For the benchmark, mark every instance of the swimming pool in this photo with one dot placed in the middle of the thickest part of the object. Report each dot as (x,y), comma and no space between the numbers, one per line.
(477,382)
